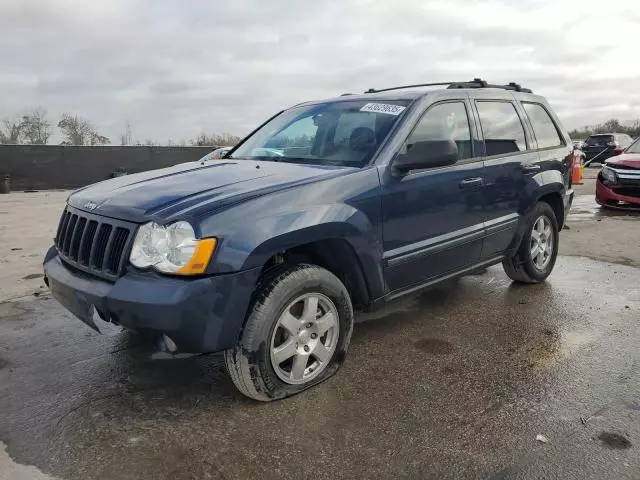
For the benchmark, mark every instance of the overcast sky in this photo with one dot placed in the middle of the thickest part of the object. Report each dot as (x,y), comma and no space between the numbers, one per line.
(177,68)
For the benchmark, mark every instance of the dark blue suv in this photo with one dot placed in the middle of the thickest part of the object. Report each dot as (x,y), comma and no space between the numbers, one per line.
(326,208)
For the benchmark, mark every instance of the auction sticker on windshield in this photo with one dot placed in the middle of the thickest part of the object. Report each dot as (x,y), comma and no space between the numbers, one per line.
(383,108)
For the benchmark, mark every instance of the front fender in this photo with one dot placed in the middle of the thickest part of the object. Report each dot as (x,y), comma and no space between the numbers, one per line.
(254,243)
(346,207)
(251,244)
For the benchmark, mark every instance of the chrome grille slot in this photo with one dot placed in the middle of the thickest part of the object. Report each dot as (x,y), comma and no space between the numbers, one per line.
(94,244)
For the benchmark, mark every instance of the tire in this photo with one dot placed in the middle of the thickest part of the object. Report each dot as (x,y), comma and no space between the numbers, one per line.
(267,336)
(522,267)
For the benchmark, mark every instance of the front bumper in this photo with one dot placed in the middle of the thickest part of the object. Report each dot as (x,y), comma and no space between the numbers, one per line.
(605,196)
(200,315)
(568,201)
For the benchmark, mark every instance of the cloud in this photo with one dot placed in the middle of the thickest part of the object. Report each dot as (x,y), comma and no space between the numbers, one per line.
(174,69)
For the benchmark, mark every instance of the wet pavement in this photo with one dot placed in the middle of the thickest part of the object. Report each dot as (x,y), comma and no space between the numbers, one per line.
(601,233)
(454,384)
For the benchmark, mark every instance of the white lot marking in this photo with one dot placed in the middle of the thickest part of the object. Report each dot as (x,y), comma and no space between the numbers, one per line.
(10,470)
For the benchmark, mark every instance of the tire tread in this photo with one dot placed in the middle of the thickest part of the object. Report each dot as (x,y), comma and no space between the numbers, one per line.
(518,267)
(253,384)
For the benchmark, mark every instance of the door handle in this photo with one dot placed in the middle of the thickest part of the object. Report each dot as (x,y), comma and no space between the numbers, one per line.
(471,182)
(534,167)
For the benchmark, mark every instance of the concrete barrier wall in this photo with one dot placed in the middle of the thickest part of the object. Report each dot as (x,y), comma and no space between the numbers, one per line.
(42,167)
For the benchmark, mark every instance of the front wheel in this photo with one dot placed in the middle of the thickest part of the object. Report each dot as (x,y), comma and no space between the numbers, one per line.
(536,256)
(296,335)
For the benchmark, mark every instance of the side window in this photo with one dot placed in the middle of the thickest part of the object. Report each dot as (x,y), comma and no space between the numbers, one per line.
(543,126)
(502,128)
(444,121)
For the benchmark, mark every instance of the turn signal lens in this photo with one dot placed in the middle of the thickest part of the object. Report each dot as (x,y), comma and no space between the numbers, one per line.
(199,261)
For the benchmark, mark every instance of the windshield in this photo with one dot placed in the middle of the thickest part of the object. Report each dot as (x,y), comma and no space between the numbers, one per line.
(634,147)
(345,133)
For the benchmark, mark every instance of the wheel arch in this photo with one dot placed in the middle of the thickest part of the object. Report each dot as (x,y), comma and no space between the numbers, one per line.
(555,201)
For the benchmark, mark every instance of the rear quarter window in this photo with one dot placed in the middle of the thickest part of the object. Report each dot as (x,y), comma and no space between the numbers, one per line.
(544,128)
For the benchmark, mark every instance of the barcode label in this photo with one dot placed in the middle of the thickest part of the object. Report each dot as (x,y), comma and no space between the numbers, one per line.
(383,108)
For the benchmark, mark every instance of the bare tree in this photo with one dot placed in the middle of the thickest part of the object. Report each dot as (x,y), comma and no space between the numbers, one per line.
(35,128)
(11,132)
(78,131)
(74,129)
(96,139)
(215,140)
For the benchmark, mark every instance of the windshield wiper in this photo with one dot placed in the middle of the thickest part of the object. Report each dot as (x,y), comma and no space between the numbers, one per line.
(300,159)
(315,161)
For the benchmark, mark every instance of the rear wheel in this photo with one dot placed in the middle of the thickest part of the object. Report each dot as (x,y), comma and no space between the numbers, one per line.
(296,336)
(536,256)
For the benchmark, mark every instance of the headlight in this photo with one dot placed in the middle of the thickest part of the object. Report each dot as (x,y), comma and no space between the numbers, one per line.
(171,249)
(609,175)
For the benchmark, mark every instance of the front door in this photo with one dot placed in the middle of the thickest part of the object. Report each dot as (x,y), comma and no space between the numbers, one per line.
(432,218)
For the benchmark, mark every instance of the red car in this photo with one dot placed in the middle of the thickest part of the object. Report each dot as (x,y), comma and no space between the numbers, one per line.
(618,184)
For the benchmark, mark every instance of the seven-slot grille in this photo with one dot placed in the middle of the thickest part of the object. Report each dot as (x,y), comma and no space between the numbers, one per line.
(94,244)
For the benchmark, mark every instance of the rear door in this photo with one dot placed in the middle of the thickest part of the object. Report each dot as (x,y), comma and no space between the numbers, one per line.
(510,162)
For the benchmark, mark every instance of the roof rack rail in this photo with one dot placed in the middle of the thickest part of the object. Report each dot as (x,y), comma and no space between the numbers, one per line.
(475,83)
(373,90)
(479,83)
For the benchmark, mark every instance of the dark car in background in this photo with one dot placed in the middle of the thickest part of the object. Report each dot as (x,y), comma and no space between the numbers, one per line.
(597,148)
(618,184)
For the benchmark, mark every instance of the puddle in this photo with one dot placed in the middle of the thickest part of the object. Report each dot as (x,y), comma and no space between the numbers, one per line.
(10,309)
(574,340)
(614,440)
(434,345)
(552,346)
(584,207)
(15,471)
(31,276)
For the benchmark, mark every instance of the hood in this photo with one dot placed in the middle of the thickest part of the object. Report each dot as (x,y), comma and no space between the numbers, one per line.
(187,190)
(631,160)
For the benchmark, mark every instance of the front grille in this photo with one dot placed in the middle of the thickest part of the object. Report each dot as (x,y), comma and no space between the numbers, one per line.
(627,191)
(94,244)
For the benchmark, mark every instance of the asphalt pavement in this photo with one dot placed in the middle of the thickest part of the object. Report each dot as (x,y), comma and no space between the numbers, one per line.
(477,379)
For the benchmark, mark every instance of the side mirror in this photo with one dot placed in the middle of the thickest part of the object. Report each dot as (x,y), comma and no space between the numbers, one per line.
(428,154)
